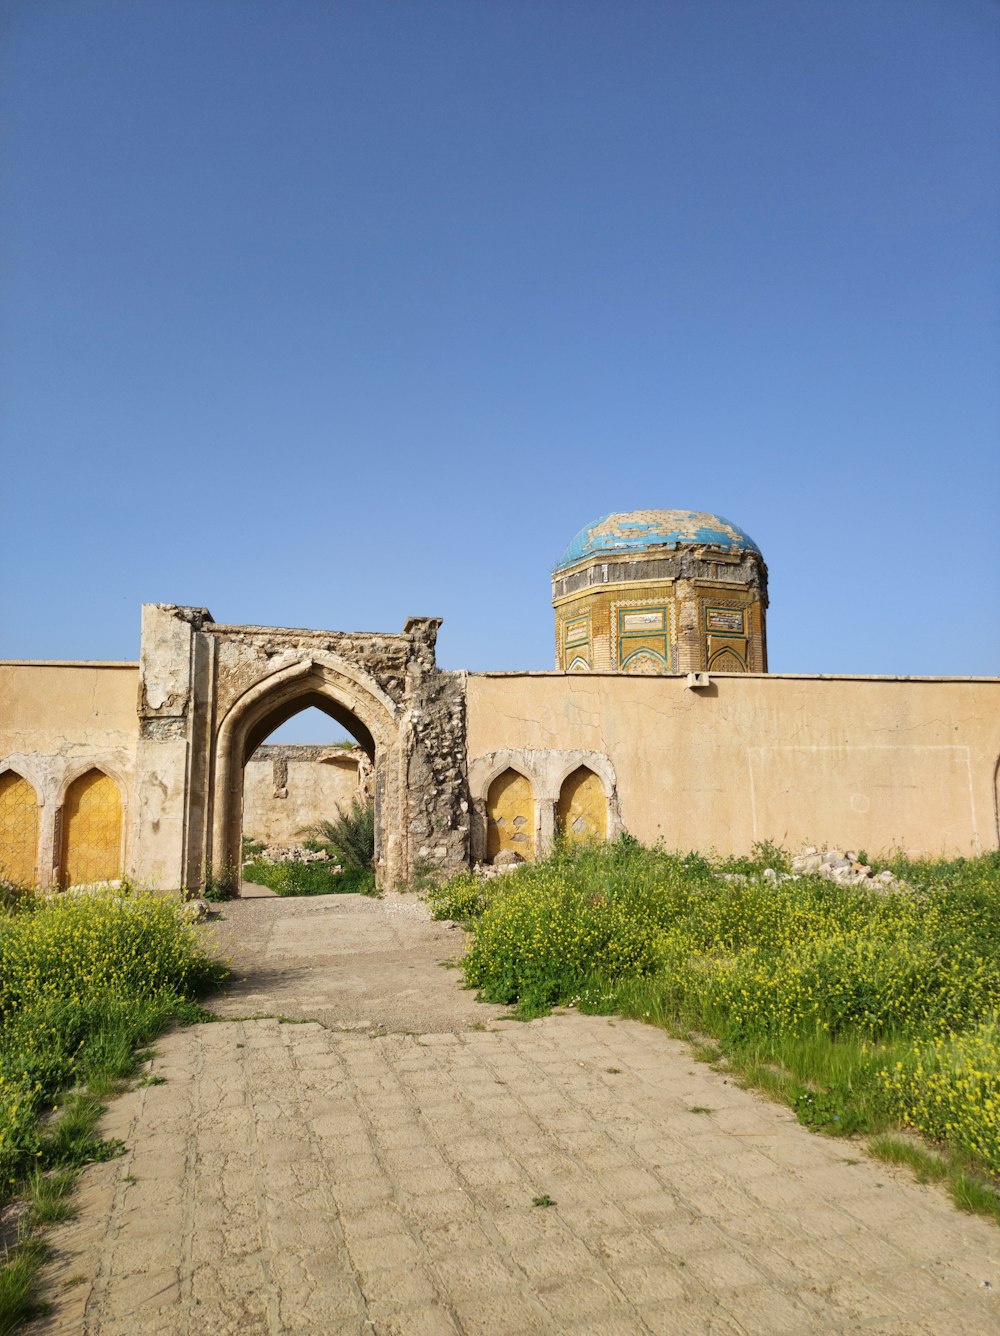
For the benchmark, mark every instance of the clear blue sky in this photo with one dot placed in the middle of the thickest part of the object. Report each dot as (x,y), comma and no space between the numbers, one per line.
(328,312)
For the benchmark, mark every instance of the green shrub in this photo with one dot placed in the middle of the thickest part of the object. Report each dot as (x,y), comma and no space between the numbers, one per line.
(14,897)
(77,947)
(221,884)
(352,833)
(460,898)
(83,979)
(949,1088)
(323,847)
(963,873)
(763,854)
(550,926)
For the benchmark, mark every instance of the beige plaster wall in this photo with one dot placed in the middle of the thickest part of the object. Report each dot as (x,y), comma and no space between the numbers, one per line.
(280,801)
(58,705)
(57,720)
(874,763)
(871,763)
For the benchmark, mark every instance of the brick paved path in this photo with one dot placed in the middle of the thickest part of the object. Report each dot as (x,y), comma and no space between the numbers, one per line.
(294,1178)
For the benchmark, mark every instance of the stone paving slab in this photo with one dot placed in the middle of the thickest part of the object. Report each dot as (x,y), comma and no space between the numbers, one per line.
(292,1178)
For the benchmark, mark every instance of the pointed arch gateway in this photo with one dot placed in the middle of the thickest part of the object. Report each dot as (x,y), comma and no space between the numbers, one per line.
(358,704)
(726,661)
(210,692)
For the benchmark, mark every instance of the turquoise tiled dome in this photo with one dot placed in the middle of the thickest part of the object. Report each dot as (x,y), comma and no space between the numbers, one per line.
(642,530)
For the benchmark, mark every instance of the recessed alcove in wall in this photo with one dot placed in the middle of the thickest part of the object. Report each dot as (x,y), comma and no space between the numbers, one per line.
(510,816)
(582,809)
(92,830)
(19,826)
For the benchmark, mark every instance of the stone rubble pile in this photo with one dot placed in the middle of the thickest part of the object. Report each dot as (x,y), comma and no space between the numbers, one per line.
(506,861)
(844,868)
(198,910)
(291,853)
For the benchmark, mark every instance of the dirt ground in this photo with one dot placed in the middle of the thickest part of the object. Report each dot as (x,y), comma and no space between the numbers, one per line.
(349,961)
(376,1153)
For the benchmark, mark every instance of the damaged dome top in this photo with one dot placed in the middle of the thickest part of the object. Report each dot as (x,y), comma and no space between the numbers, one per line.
(640,530)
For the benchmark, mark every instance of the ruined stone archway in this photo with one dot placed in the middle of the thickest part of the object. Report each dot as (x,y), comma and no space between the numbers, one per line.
(208,694)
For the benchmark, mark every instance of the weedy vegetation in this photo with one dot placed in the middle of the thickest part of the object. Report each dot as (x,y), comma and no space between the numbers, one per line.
(86,979)
(310,878)
(221,884)
(868,1011)
(349,840)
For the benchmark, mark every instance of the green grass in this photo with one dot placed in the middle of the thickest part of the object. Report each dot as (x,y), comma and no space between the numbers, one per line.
(970,1191)
(73,1140)
(51,1196)
(868,1012)
(19,1301)
(310,878)
(85,982)
(926,1165)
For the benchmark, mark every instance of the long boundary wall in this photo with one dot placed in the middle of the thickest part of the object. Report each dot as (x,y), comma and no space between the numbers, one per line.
(704,762)
(873,763)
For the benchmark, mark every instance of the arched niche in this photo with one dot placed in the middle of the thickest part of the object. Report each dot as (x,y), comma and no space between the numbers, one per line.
(645,662)
(582,809)
(92,830)
(19,828)
(726,661)
(510,816)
